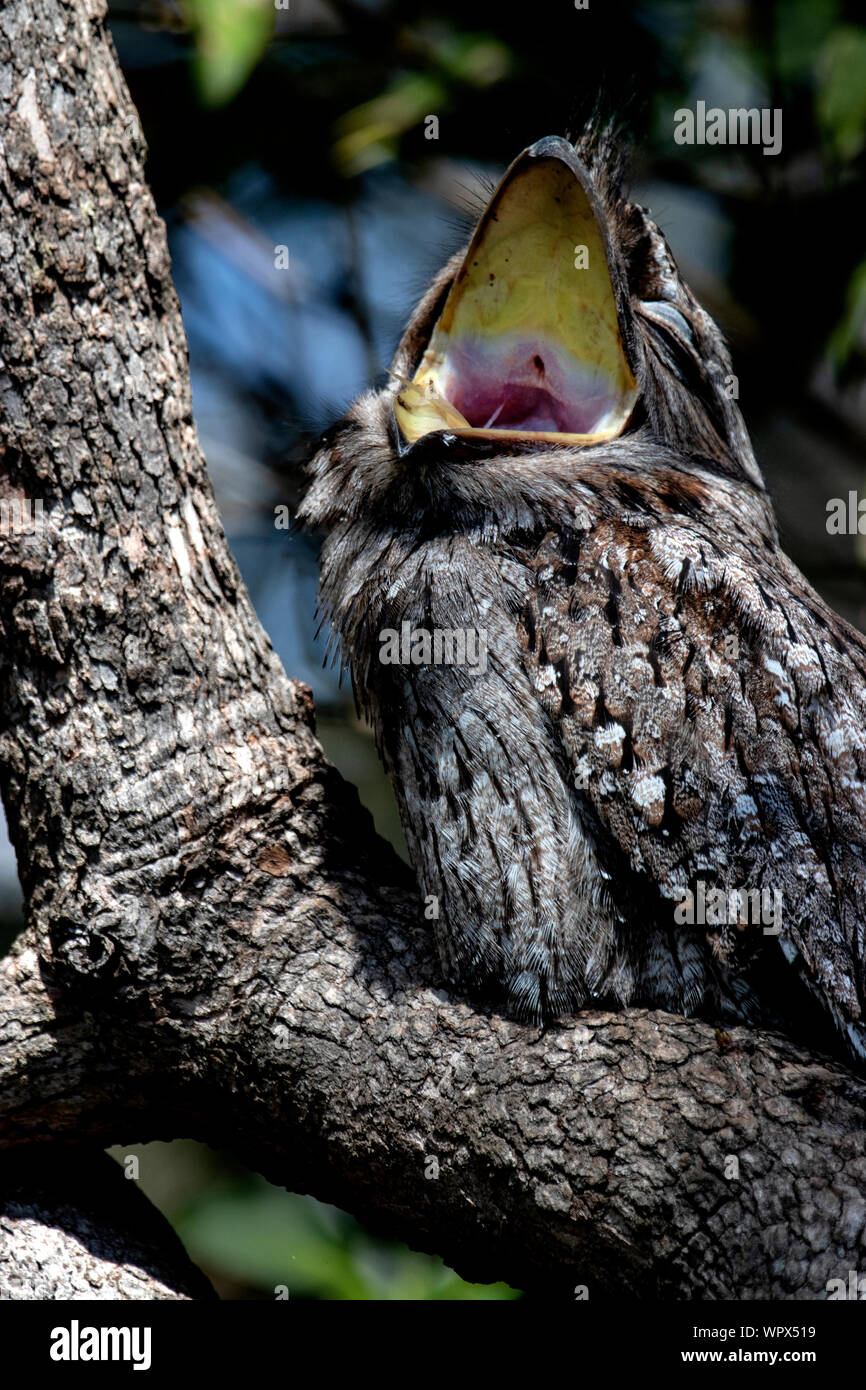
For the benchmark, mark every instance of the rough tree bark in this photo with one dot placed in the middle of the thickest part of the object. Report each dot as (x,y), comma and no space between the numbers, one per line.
(71,1227)
(217,945)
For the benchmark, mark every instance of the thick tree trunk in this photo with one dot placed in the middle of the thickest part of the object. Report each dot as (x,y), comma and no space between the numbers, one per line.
(216,944)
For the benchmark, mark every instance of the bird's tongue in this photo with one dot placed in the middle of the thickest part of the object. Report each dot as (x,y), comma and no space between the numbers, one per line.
(529,340)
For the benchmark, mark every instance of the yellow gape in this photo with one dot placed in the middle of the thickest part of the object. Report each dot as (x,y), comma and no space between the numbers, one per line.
(529,342)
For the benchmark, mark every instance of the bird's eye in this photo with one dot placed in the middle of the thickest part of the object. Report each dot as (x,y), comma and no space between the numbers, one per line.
(530,341)
(666,316)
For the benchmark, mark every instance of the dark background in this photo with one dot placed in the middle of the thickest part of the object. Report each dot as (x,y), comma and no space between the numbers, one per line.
(304,128)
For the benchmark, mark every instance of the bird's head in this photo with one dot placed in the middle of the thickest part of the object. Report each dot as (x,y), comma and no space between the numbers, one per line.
(564,327)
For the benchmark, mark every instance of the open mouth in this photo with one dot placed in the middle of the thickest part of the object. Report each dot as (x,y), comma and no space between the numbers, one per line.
(529,342)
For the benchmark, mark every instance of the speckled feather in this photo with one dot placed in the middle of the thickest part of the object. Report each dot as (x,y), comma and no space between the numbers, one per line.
(665,699)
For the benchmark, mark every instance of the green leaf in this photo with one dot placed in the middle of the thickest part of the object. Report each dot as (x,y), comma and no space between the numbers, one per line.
(367,135)
(840,99)
(230,38)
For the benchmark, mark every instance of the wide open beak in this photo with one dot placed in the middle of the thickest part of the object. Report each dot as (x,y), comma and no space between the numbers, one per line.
(530,343)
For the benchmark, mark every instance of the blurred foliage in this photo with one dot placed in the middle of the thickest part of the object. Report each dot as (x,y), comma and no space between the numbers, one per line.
(368,134)
(848,336)
(841,89)
(254,1239)
(267,1238)
(230,38)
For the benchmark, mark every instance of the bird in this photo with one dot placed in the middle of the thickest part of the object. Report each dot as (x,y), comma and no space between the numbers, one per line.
(627,738)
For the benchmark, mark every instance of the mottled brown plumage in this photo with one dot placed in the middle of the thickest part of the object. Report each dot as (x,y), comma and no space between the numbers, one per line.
(666,702)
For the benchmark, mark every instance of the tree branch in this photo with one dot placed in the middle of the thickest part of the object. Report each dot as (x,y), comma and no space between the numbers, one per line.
(71,1227)
(217,944)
